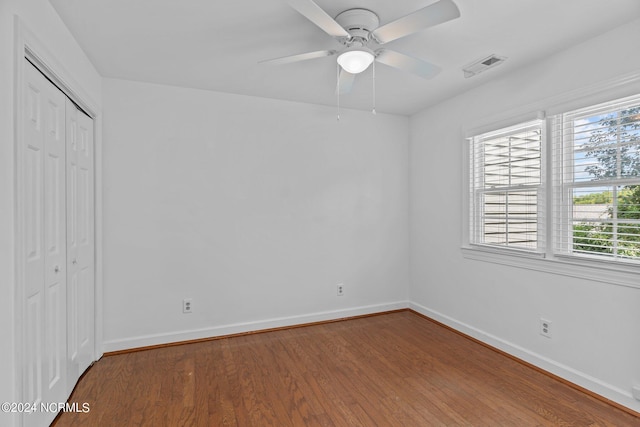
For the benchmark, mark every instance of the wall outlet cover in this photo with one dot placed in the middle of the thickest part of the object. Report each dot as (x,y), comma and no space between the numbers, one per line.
(545,328)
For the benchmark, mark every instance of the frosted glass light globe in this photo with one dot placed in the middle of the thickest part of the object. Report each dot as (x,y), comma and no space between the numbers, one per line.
(356,61)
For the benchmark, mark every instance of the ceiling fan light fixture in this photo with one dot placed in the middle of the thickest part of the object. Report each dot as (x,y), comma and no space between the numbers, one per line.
(356,60)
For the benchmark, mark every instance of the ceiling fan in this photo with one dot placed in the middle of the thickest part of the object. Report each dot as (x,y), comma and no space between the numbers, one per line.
(359,32)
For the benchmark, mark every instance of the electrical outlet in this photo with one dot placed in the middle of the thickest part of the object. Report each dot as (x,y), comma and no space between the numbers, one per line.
(545,328)
(187,305)
(340,289)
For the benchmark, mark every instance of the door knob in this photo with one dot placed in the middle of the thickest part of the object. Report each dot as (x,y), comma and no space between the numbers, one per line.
(56,269)
(75,261)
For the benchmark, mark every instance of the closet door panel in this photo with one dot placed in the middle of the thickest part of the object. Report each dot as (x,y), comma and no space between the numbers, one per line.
(44,230)
(80,240)
(86,244)
(33,217)
(33,182)
(72,239)
(55,239)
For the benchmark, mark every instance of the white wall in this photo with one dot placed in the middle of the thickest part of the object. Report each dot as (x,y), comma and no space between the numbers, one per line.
(596,339)
(255,208)
(40,18)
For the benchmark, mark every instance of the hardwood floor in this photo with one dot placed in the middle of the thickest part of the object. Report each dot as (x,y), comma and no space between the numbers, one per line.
(396,369)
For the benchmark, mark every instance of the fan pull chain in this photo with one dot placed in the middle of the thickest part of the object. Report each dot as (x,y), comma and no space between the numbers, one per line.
(374,87)
(338,90)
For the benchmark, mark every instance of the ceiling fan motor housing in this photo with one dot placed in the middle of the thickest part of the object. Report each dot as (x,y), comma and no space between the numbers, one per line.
(359,23)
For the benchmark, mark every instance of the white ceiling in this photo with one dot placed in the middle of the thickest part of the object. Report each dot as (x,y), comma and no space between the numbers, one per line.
(216,44)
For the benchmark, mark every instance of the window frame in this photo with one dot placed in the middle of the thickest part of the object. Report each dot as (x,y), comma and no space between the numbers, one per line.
(478,190)
(565,182)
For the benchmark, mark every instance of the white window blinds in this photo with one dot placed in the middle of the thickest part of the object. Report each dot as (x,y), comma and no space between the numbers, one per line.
(596,171)
(506,187)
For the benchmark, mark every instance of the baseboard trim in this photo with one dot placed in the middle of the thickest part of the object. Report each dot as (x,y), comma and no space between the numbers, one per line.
(580,381)
(149,342)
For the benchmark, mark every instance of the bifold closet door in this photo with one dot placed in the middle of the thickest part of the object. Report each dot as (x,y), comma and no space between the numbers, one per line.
(80,242)
(43,210)
(56,209)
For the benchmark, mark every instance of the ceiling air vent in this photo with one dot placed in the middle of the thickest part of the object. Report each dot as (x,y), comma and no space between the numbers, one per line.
(484,64)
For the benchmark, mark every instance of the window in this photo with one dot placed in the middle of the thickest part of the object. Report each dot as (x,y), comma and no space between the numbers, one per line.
(590,208)
(507,198)
(597,181)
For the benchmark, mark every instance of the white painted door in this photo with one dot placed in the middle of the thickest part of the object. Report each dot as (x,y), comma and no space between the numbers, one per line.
(80,242)
(44,244)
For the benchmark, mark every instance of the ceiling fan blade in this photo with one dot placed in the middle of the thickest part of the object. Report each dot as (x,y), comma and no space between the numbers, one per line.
(345,82)
(434,14)
(315,14)
(299,57)
(407,63)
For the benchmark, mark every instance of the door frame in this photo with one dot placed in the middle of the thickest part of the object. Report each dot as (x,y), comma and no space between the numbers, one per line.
(27,45)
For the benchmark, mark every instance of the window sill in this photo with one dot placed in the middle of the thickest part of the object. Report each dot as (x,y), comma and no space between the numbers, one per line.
(598,270)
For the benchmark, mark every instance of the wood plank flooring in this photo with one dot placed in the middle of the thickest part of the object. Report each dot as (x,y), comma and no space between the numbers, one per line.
(396,369)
